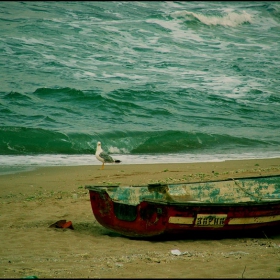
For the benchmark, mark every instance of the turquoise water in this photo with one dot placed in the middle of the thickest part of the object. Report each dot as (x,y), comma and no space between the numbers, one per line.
(153,81)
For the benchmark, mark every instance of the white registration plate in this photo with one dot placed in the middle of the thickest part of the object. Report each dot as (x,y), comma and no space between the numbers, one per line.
(216,220)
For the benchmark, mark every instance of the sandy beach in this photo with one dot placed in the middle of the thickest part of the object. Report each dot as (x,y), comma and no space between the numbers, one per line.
(31,201)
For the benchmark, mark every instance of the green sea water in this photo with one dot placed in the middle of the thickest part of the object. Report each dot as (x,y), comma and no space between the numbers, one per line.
(153,81)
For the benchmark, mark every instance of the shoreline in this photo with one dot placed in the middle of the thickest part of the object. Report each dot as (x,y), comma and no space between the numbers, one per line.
(16,163)
(69,178)
(6,169)
(31,201)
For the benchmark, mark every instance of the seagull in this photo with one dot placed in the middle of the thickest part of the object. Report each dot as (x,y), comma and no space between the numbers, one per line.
(104,157)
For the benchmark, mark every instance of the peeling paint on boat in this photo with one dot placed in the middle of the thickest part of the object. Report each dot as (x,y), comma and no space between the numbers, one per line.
(230,191)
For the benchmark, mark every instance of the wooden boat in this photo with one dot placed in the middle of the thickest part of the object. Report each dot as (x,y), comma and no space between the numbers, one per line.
(154,209)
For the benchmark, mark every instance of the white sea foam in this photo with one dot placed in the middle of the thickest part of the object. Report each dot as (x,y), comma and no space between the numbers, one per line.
(12,164)
(231,19)
(177,32)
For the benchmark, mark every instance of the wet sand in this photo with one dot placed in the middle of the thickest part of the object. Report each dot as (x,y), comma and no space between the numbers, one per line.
(31,201)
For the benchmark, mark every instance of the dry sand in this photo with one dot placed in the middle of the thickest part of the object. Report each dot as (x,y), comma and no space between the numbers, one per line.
(31,201)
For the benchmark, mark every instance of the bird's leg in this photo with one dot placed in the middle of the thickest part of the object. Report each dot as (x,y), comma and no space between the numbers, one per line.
(102,167)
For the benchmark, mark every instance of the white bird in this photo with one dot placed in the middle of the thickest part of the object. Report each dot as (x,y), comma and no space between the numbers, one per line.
(103,156)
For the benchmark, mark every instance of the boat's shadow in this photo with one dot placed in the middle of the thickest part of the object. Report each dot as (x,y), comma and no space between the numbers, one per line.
(265,233)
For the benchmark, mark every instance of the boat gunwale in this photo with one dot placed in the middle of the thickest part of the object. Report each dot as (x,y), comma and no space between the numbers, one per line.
(215,204)
(192,203)
(265,202)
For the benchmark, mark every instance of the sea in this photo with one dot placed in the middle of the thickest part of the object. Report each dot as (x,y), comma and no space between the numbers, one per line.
(154,81)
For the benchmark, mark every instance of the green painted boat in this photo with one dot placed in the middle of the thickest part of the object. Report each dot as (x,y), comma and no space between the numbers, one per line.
(153,209)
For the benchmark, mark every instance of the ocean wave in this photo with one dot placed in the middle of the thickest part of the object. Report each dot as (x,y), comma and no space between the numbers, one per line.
(22,141)
(17,96)
(231,19)
(141,77)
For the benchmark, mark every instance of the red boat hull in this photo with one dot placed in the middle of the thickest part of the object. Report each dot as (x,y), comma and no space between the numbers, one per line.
(150,218)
